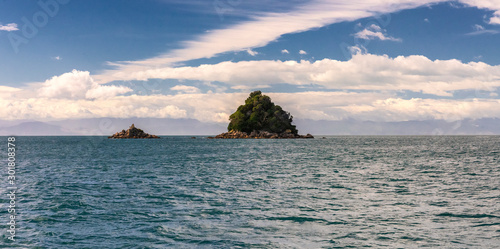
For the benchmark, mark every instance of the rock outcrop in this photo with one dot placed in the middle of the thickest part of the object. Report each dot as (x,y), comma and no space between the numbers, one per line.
(132,133)
(259,135)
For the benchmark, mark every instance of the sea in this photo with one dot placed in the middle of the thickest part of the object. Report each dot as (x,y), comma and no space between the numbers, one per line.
(184,192)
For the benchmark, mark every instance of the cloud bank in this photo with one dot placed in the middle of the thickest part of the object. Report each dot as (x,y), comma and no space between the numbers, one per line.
(364,88)
(362,72)
(216,107)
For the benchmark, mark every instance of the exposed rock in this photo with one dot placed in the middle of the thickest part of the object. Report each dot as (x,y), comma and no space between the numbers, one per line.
(308,136)
(259,135)
(132,132)
(233,134)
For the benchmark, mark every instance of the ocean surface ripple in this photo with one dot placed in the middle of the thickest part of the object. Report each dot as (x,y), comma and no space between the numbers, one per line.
(177,192)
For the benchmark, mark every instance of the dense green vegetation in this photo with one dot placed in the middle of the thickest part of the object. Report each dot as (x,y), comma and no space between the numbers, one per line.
(259,113)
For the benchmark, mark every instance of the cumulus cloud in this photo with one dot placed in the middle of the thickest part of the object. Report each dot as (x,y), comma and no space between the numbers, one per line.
(382,107)
(216,107)
(375,32)
(284,51)
(302,52)
(74,95)
(9,27)
(185,89)
(116,107)
(361,72)
(7,91)
(99,92)
(78,85)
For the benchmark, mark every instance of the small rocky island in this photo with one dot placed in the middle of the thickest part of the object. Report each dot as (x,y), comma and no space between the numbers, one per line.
(132,133)
(260,118)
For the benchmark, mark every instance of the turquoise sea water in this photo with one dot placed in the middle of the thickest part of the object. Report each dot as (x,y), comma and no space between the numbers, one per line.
(177,192)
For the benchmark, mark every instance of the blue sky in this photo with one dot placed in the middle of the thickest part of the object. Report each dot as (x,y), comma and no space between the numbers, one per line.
(398,60)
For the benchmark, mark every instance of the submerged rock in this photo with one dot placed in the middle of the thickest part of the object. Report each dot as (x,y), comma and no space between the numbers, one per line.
(132,132)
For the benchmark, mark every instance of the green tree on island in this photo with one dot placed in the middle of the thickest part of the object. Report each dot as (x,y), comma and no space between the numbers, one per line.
(259,113)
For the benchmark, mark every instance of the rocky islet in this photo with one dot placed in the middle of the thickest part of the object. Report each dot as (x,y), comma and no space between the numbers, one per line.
(132,133)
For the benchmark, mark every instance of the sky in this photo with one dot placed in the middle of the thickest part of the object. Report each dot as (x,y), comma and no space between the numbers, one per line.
(321,60)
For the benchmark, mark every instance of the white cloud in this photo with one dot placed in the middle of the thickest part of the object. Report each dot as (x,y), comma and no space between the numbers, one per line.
(100,91)
(478,27)
(362,72)
(302,52)
(216,87)
(427,20)
(375,27)
(116,107)
(284,51)
(77,85)
(380,78)
(480,30)
(380,107)
(6,91)
(9,27)
(251,52)
(358,49)
(496,18)
(493,5)
(57,58)
(373,32)
(185,89)
(260,31)
(216,107)
(397,109)
(247,87)
(76,95)
(264,28)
